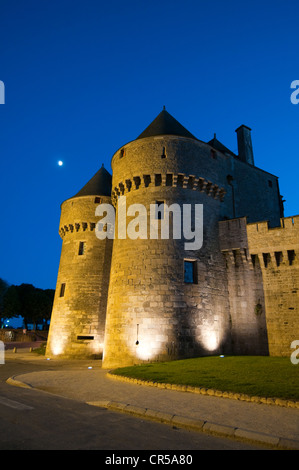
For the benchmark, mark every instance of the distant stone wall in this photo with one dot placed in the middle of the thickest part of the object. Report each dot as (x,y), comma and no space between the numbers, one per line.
(263,280)
(245,287)
(19,335)
(276,253)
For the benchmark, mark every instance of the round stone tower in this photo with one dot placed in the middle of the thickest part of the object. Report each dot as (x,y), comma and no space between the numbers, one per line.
(167,296)
(79,309)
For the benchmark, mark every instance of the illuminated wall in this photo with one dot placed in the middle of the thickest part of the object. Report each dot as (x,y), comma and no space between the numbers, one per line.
(153,299)
(245,290)
(276,252)
(152,313)
(78,317)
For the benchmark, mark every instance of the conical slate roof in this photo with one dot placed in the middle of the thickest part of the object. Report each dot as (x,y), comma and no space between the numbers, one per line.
(165,124)
(99,185)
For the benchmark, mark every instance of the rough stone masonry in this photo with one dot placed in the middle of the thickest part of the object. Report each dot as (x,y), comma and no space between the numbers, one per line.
(131,301)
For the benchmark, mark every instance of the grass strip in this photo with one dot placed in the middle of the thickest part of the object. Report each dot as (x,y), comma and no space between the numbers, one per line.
(274,377)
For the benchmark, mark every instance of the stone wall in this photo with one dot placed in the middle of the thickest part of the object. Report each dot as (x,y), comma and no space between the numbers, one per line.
(256,193)
(263,283)
(276,252)
(246,190)
(152,314)
(79,309)
(245,286)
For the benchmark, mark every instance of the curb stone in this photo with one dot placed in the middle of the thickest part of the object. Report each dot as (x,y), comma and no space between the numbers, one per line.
(17,383)
(199,425)
(184,422)
(209,391)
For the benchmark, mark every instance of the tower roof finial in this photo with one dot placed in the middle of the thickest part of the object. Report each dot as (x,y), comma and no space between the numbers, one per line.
(165,124)
(99,185)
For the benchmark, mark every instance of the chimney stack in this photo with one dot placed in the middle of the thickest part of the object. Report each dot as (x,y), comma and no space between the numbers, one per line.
(244,144)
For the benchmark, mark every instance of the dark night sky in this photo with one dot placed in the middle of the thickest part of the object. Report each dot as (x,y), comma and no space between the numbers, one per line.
(82,78)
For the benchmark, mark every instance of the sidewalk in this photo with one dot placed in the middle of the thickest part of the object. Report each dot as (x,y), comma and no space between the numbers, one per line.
(85,381)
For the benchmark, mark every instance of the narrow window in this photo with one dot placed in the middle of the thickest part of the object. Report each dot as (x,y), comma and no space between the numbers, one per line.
(180,180)
(191,181)
(213,154)
(190,274)
(291,256)
(208,187)
(158,180)
(169,178)
(270,183)
(201,184)
(163,153)
(255,260)
(81,248)
(129,185)
(266,257)
(159,210)
(62,290)
(121,189)
(278,257)
(122,153)
(137,181)
(97,200)
(147,180)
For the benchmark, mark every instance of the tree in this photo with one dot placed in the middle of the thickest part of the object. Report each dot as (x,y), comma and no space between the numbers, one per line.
(11,303)
(3,290)
(49,294)
(32,303)
(36,304)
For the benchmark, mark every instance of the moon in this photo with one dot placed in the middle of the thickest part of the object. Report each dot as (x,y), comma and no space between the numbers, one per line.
(60,163)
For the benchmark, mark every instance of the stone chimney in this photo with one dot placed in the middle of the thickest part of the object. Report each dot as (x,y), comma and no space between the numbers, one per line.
(244,144)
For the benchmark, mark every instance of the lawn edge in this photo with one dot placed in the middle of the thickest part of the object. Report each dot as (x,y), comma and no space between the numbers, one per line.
(208,391)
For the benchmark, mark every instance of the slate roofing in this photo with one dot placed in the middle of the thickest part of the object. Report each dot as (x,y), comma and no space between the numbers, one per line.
(216,144)
(165,124)
(99,185)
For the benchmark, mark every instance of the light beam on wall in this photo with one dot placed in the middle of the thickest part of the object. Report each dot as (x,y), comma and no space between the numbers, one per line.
(57,345)
(147,345)
(210,338)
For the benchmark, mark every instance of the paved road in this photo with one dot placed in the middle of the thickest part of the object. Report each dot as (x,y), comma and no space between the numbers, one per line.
(34,420)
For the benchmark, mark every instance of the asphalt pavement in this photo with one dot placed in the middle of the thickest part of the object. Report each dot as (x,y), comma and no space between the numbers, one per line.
(269,424)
